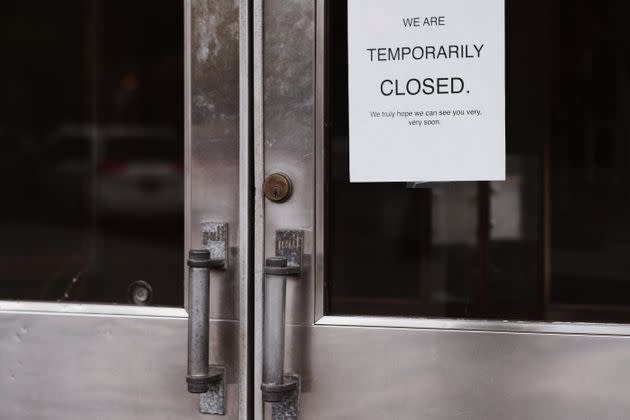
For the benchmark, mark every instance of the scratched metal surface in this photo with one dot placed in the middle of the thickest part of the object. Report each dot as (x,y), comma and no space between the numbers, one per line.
(289,132)
(214,158)
(385,373)
(213,106)
(61,367)
(214,137)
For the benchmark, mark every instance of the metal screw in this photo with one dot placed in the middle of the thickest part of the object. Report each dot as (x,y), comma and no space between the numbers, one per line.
(140,293)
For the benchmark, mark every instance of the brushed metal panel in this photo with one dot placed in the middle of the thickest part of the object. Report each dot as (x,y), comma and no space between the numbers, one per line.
(259,210)
(376,373)
(283,142)
(84,367)
(214,135)
(288,69)
(246,204)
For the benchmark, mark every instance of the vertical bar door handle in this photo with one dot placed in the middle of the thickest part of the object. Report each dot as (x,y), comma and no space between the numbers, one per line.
(199,375)
(275,385)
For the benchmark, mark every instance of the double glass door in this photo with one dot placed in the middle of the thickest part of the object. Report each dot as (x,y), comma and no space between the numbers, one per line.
(129,128)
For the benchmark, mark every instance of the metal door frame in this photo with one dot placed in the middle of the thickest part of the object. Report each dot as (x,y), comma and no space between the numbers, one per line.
(246,212)
(400,322)
(560,333)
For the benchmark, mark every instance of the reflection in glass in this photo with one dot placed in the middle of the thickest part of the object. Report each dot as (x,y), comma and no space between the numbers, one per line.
(549,243)
(92,150)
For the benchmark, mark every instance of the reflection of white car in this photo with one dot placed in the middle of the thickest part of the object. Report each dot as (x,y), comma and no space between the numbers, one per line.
(141,172)
(64,171)
(138,170)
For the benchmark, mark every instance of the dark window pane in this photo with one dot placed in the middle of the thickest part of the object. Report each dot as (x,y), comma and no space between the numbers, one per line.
(91,130)
(549,243)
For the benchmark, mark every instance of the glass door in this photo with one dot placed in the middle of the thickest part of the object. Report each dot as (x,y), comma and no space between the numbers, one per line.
(118,121)
(485,300)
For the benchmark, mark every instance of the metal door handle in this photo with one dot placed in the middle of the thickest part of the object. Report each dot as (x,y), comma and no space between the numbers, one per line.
(275,384)
(200,375)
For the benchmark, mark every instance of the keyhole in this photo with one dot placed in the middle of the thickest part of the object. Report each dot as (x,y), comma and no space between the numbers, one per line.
(275,192)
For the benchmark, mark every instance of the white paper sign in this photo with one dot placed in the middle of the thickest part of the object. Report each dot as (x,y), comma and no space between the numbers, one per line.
(426,90)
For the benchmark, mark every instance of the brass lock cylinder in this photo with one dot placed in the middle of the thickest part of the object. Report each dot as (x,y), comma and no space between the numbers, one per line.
(277,187)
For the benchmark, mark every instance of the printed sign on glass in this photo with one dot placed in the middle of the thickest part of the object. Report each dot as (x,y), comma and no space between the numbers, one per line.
(426,83)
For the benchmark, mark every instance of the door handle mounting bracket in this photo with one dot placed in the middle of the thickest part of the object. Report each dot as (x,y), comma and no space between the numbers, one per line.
(277,388)
(203,378)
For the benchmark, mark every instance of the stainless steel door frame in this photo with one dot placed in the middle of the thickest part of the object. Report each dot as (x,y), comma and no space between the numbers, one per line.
(245,210)
(378,367)
(88,361)
(217,110)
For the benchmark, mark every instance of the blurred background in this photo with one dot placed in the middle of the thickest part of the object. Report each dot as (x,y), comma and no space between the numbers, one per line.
(91,164)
